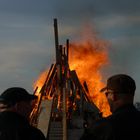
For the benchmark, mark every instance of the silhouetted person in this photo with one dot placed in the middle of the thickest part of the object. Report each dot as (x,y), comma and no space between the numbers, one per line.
(15,108)
(124,123)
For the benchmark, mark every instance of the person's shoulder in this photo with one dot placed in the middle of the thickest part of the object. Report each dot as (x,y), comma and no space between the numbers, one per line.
(37,134)
(101,129)
(102,124)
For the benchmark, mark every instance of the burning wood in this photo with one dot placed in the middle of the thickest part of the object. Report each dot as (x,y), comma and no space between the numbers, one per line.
(63,81)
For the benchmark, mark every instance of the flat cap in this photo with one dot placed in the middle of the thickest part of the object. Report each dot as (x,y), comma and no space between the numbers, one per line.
(16,94)
(120,83)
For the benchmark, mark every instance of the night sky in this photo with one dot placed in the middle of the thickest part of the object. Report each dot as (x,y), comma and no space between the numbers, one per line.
(27,39)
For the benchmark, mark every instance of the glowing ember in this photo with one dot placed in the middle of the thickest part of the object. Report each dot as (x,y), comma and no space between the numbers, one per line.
(87,58)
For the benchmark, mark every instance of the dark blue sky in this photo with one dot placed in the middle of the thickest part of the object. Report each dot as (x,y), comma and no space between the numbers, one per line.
(27,40)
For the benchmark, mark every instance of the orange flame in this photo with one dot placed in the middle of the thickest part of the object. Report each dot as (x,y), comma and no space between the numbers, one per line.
(40,81)
(87,58)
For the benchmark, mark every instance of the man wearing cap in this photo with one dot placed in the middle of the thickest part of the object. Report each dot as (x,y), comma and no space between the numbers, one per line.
(124,123)
(15,108)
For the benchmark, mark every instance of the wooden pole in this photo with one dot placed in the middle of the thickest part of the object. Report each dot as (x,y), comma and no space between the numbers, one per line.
(56,40)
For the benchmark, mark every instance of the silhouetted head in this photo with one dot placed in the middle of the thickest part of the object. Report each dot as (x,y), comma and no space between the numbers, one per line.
(17,99)
(120,89)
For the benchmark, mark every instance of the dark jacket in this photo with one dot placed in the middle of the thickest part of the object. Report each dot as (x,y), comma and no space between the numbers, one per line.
(124,124)
(14,127)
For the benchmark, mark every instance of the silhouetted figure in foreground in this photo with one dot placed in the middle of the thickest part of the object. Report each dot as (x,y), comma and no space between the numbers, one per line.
(124,123)
(15,107)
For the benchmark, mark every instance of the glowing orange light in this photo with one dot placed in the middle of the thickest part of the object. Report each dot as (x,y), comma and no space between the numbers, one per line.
(87,57)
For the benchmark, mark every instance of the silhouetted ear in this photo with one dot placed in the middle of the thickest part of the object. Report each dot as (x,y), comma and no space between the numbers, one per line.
(15,107)
(114,97)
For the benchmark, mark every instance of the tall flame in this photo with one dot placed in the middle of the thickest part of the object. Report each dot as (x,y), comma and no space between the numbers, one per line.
(87,57)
